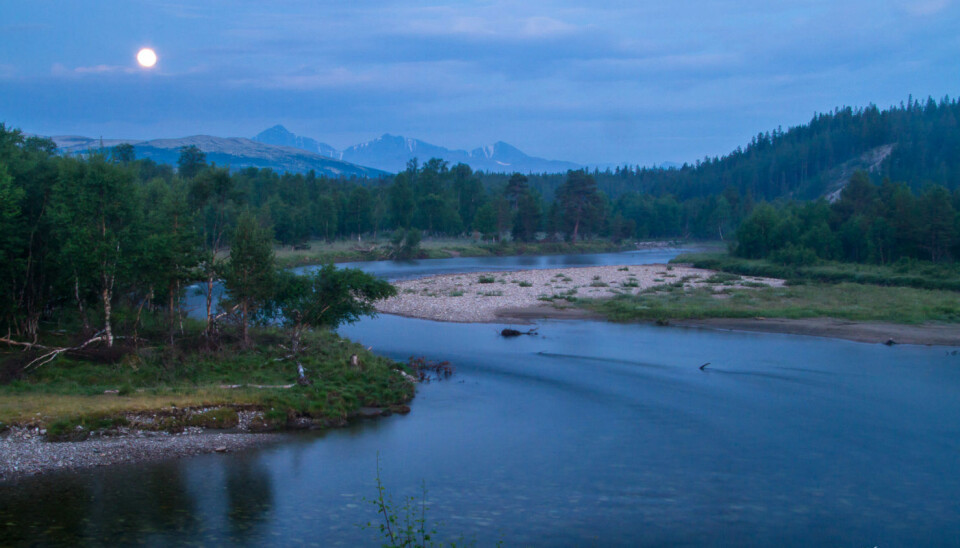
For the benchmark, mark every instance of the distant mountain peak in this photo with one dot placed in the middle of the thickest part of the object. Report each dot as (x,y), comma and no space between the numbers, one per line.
(392,152)
(281,136)
(234,152)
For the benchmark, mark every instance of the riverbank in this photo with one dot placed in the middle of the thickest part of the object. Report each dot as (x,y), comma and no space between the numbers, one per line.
(686,296)
(866,332)
(321,252)
(25,451)
(526,294)
(158,402)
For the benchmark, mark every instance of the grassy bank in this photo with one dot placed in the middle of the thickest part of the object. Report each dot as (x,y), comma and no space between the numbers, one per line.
(99,390)
(320,252)
(857,302)
(908,273)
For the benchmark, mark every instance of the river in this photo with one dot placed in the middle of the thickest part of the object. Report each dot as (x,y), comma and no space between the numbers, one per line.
(590,434)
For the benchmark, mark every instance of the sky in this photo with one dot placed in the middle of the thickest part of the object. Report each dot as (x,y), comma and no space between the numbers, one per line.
(638,82)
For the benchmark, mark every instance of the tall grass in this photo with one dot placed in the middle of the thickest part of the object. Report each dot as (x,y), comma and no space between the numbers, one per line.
(859,302)
(154,378)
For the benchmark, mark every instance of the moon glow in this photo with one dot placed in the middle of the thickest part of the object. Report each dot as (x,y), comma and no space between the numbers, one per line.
(147,57)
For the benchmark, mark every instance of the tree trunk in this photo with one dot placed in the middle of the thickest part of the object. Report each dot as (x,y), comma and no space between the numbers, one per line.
(209,304)
(107,328)
(243,323)
(172,314)
(136,323)
(83,313)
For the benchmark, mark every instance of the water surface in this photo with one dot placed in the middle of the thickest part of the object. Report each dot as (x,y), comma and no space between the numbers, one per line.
(591,434)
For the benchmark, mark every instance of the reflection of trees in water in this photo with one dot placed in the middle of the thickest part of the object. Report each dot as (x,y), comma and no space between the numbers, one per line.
(249,496)
(145,501)
(142,504)
(116,507)
(44,511)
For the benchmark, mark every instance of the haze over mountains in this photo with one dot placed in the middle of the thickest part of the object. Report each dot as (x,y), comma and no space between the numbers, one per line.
(235,152)
(392,152)
(279,149)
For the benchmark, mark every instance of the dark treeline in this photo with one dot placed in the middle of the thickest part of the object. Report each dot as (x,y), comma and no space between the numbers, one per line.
(99,240)
(86,233)
(872,223)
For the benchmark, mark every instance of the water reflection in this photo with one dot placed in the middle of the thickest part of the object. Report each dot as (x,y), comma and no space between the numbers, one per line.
(164,503)
(249,496)
(590,434)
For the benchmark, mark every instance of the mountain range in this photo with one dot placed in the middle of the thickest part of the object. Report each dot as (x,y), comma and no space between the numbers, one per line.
(392,152)
(279,149)
(235,152)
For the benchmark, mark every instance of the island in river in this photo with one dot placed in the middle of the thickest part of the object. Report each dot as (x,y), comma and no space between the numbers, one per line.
(582,293)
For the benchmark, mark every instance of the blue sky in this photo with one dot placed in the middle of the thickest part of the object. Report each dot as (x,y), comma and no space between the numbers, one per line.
(590,82)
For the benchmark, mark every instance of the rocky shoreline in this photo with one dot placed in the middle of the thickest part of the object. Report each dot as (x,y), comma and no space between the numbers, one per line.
(147,436)
(26,452)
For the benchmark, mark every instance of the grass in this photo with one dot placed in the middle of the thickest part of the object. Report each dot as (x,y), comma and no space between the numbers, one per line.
(153,379)
(857,302)
(916,274)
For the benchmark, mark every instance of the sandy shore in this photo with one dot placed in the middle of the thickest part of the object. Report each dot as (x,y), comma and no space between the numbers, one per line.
(528,294)
(24,451)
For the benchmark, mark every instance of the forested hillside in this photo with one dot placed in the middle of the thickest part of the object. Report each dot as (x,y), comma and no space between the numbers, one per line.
(804,162)
(91,231)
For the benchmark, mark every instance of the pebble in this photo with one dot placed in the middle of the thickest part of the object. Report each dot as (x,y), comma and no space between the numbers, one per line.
(25,452)
(462,298)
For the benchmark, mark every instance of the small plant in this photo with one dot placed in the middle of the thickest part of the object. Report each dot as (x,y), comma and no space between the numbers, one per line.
(455,293)
(486,279)
(623,269)
(722,278)
(525,284)
(597,283)
(405,526)
(490,293)
(632,282)
(224,417)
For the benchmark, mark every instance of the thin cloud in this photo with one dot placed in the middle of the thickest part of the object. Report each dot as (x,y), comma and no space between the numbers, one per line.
(924,7)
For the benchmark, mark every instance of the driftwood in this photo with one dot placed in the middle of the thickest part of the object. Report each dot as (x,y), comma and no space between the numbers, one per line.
(514,333)
(234,386)
(51,352)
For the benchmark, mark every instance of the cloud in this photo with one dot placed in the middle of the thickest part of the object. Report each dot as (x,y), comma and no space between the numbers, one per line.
(60,70)
(922,8)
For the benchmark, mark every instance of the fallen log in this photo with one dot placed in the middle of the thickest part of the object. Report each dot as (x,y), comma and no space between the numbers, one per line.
(507,332)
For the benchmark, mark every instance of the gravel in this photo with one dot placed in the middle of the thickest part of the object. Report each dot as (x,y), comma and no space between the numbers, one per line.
(24,451)
(466,298)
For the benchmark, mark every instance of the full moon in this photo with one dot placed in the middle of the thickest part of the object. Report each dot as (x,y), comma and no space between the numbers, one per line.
(147,57)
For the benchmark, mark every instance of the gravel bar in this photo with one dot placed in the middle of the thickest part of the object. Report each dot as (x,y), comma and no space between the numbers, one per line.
(496,296)
(24,452)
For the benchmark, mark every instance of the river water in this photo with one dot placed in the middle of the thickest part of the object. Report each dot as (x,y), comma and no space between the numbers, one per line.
(590,434)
